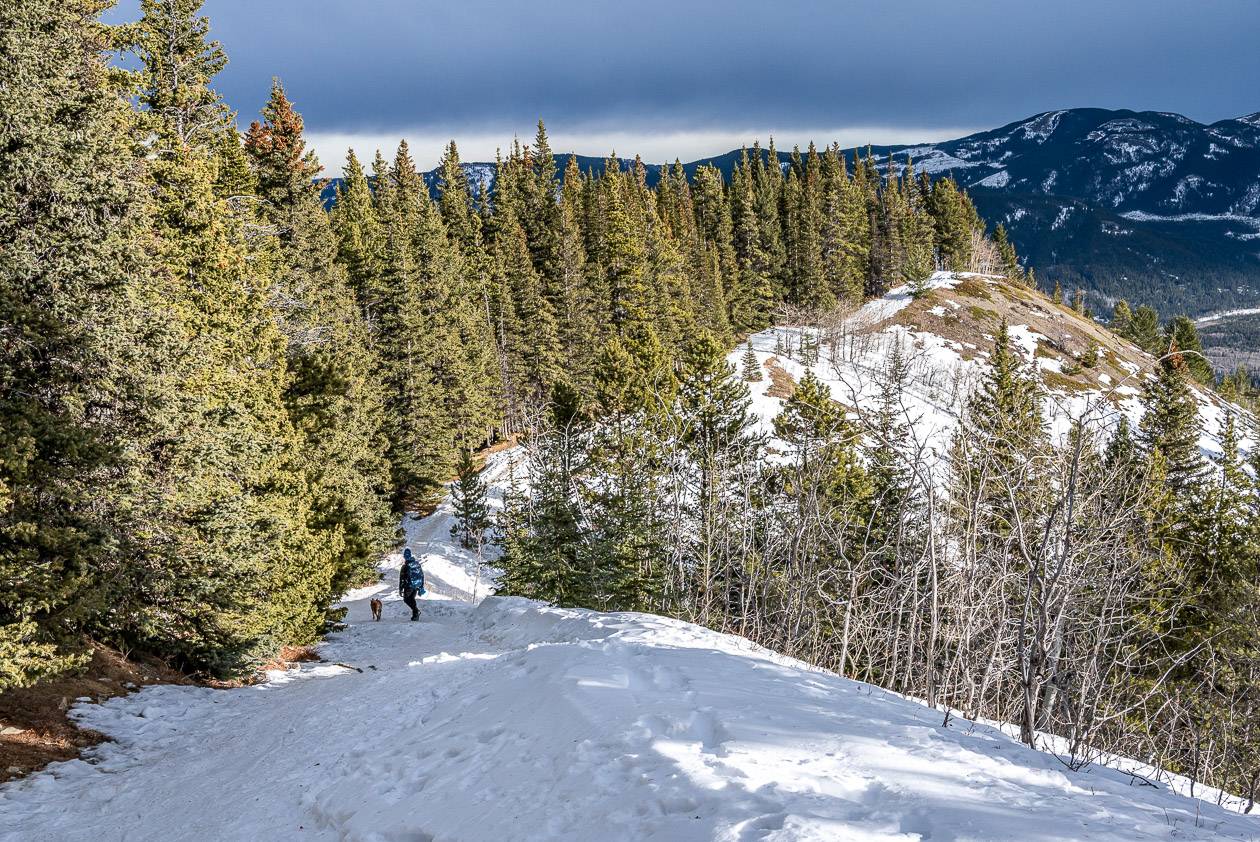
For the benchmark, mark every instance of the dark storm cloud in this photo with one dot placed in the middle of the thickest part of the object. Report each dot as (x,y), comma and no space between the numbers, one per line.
(459,66)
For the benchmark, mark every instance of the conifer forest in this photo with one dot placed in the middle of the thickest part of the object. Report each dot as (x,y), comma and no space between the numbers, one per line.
(220,394)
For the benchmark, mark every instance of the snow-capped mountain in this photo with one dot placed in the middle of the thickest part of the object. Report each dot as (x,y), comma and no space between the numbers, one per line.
(1146,205)
(1135,163)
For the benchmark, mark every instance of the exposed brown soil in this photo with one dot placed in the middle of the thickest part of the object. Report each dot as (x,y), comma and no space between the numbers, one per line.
(38,715)
(782,384)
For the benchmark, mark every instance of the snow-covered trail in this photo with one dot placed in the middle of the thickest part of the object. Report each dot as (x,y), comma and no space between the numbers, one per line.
(509,720)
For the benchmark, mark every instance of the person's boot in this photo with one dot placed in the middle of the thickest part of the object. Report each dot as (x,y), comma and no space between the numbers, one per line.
(415,614)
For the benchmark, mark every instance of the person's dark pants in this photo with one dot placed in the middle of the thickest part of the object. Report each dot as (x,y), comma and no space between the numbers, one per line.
(409,597)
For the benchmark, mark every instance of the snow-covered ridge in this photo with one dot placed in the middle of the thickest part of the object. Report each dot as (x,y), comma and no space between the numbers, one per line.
(945,338)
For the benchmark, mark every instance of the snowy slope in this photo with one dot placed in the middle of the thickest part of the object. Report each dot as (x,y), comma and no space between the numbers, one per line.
(945,338)
(509,720)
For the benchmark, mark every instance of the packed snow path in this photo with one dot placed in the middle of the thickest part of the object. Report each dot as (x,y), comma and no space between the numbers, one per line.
(510,720)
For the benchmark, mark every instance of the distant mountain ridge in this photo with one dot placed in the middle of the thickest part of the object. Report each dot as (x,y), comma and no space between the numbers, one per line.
(1149,206)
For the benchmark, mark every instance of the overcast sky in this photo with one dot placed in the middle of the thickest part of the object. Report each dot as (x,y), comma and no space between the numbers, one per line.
(689,78)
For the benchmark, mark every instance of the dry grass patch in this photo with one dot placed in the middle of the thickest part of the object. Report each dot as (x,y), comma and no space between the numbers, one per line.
(973,288)
(1055,380)
(782,384)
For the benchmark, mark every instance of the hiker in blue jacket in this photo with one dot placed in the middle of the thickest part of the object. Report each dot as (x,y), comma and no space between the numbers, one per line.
(411,582)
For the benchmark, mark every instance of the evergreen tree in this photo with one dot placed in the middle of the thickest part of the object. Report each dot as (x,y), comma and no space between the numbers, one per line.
(1006,255)
(333,396)
(956,220)
(999,445)
(1145,331)
(716,434)
(896,516)
(1170,425)
(803,226)
(1183,334)
(546,552)
(750,366)
(72,322)
(1122,320)
(471,509)
(751,291)
(360,239)
(578,325)
(220,575)
(634,386)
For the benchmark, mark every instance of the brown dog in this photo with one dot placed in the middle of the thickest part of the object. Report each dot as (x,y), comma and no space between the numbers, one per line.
(376,608)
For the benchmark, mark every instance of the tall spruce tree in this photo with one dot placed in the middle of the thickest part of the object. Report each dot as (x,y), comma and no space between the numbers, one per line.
(73,320)
(1170,425)
(470,504)
(360,239)
(999,447)
(333,396)
(221,577)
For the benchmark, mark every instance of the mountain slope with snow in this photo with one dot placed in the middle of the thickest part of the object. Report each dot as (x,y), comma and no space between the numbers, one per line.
(945,337)
(510,720)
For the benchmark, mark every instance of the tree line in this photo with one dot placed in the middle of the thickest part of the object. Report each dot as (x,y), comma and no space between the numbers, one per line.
(216,396)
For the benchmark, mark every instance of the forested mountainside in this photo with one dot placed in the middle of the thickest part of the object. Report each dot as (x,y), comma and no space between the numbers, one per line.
(1146,206)
(219,398)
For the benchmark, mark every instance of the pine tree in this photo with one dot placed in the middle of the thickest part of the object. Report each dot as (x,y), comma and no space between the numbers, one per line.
(807,285)
(1185,336)
(220,577)
(829,487)
(333,396)
(547,542)
(999,445)
(750,293)
(1170,425)
(750,365)
(955,219)
(418,435)
(73,320)
(578,323)
(634,387)
(897,518)
(717,436)
(1122,320)
(1006,254)
(360,239)
(1145,331)
(471,508)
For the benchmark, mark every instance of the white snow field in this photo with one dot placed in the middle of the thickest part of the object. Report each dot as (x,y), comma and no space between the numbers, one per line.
(511,720)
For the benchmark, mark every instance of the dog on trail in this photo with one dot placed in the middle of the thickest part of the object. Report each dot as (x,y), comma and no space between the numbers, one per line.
(376,609)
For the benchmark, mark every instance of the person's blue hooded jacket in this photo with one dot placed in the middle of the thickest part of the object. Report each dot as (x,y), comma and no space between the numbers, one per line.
(411,576)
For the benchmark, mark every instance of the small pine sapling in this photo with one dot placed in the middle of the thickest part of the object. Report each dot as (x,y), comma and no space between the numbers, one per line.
(472,512)
(751,367)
